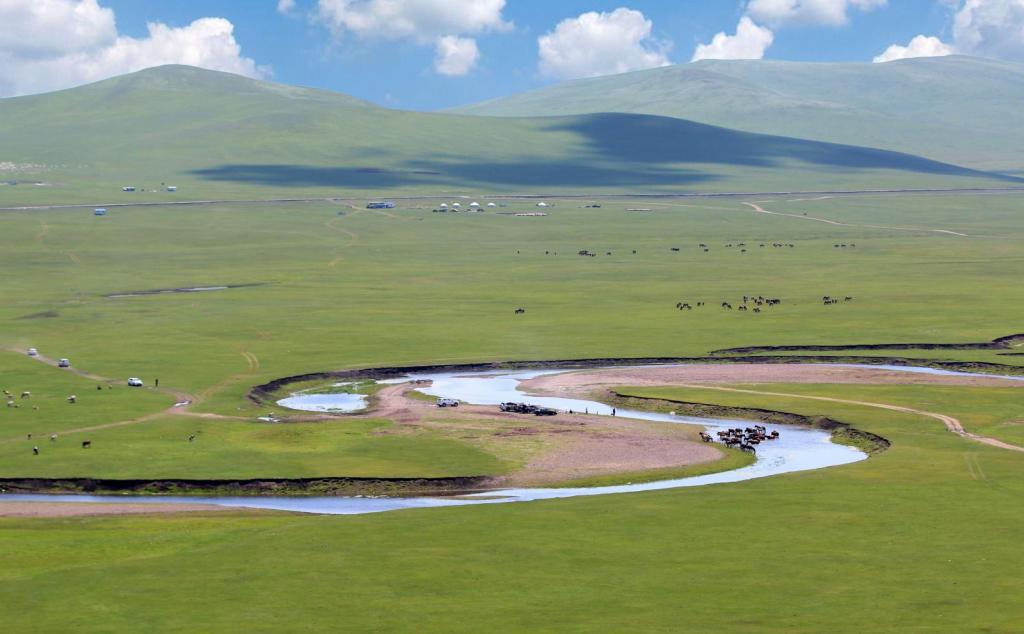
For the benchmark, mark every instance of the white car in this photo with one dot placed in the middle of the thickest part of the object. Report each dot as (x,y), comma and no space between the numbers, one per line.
(134,382)
(32,352)
(63,363)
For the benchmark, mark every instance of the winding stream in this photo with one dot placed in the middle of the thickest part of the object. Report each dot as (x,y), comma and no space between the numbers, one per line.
(798,449)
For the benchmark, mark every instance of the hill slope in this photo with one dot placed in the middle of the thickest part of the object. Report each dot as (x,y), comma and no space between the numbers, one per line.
(956,109)
(218,135)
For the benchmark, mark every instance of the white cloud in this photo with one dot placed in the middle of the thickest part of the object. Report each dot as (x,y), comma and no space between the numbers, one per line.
(990,28)
(456,56)
(285,6)
(42,28)
(920,46)
(422,20)
(442,23)
(827,12)
(987,28)
(52,44)
(595,44)
(749,42)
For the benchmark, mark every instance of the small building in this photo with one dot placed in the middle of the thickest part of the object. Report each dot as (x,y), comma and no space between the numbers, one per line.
(128,188)
(99,211)
(474,204)
(172,188)
(542,204)
(492,205)
(457,205)
(443,206)
(380,204)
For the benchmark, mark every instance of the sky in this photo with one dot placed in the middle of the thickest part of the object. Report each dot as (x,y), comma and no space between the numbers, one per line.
(433,54)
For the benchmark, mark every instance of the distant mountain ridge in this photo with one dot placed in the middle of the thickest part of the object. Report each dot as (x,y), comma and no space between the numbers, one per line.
(216,134)
(963,110)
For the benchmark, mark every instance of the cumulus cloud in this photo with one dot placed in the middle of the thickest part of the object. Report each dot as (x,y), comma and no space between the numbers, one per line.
(285,6)
(456,56)
(423,20)
(920,46)
(987,28)
(749,42)
(53,44)
(594,44)
(442,23)
(828,12)
(991,28)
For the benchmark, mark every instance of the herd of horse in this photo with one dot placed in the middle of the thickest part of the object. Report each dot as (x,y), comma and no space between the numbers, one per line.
(743,438)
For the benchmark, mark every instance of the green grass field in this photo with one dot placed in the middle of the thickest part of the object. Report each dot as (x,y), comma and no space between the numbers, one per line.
(923,537)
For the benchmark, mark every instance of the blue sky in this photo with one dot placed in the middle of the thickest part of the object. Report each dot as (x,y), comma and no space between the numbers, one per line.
(393,56)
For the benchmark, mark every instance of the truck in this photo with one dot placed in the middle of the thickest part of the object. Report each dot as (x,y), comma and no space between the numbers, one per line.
(380,204)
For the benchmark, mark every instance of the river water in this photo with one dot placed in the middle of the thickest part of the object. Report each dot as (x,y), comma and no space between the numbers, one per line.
(797,449)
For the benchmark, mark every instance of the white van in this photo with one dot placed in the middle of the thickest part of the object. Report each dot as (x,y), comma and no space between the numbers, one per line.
(32,352)
(63,363)
(134,382)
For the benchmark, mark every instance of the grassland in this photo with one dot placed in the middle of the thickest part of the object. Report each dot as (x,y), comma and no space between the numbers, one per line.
(923,537)
(408,287)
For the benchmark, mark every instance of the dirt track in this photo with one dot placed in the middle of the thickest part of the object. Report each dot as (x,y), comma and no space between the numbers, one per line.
(761,210)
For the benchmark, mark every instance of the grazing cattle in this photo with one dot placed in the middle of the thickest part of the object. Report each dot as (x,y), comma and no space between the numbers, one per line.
(53,437)
(35,451)
(86,444)
(520,311)
(11,404)
(72,399)
(706,437)
(26,395)
(192,437)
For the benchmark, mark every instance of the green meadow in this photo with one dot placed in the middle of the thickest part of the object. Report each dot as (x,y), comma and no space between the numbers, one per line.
(924,537)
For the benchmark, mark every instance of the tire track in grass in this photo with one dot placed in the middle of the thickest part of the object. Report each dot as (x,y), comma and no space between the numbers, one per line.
(952,424)
(761,210)
(352,236)
(182,400)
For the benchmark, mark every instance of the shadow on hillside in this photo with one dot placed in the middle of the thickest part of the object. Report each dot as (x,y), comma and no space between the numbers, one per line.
(653,139)
(613,150)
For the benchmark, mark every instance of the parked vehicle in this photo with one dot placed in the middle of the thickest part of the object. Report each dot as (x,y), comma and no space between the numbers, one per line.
(525,408)
(63,363)
(134,382)
(447,402)
(32,352)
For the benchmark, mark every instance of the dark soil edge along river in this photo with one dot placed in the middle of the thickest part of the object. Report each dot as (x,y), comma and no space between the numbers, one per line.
(341,486)
(1002,343)
(266,392)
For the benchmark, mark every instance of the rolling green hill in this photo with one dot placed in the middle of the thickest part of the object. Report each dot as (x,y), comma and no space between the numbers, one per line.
(219,135)
(955,109)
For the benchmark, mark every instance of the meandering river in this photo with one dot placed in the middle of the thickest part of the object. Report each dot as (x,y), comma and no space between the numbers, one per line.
(798,449)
